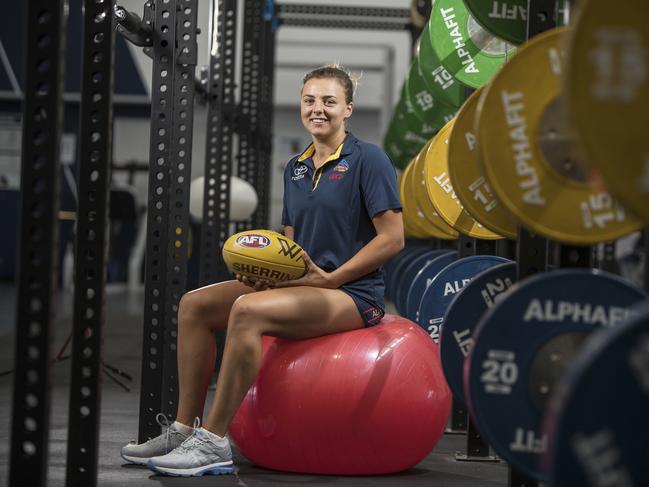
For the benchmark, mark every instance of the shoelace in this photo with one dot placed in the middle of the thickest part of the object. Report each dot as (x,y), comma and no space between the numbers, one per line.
(187,445)
(163,421)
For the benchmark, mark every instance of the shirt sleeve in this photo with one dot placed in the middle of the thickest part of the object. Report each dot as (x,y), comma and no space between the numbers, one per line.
(286,219)
(378,181)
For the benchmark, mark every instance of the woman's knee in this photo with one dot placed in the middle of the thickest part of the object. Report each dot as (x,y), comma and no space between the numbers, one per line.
(196,308)
(245,314)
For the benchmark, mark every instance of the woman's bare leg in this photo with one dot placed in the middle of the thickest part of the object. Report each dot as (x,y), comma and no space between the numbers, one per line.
(200,313)
(296,312)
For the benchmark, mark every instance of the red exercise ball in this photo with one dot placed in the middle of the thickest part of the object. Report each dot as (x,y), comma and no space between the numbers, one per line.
(369,401)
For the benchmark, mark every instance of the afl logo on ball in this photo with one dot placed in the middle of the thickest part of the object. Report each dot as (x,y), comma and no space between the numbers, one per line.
(253,240)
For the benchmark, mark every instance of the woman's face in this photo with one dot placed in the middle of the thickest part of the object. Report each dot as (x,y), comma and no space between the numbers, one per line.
(323,108)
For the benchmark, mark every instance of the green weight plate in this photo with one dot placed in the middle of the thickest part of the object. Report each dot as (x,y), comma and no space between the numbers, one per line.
(441,84)
(424,106)
(405,114)
(401,143)
(506,19)
(469,53)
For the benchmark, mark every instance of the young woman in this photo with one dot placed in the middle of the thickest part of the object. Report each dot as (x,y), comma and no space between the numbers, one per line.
(341,205)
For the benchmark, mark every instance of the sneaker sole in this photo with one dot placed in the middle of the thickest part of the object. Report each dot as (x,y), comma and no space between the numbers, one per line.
(136,460)
(223,468)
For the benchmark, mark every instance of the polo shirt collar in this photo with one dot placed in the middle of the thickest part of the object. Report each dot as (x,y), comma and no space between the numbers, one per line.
(344,149)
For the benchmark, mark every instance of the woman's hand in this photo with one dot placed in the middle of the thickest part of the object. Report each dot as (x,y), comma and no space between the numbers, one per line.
(259,284)
(314,277)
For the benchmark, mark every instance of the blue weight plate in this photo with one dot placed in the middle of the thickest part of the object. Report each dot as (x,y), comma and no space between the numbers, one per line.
(445,285)
(599,420)
(388,268)
(403,261)
(422,280)
(462,316)
(525,343)
(402,285)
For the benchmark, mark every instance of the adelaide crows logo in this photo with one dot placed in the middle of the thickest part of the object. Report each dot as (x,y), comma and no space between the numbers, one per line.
(289,249)
(342,166)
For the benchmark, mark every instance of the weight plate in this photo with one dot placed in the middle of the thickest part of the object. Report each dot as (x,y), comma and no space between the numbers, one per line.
(388,268)
(418,186)
(440,191)
(407,228)
(444,287)
(425,107)
(398,268)
(469,53)
(408,273)
(505,19)
(610,383)
(608,90)
(523,345)
(440,83)
(431,222)
(467,177)
(526,151)
(462,316)
(419,285)
(401,143)
(416,219)
(407,114)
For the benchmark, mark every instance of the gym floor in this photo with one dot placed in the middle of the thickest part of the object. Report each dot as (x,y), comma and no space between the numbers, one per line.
(119,415)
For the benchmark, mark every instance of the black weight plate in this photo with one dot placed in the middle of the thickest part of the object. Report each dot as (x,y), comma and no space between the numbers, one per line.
(463,315)
(599,420)
(523,345)
(444,287)
(390,266)
(422,280)
(408,274)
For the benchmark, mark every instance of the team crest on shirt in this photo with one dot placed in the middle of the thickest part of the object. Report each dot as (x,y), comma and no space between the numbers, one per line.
(299,173)
(342,166)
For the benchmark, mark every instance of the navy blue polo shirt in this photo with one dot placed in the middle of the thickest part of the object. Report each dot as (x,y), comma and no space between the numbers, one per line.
(331,208)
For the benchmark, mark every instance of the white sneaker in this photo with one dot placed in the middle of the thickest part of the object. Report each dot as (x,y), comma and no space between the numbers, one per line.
(160,445)
(198,455)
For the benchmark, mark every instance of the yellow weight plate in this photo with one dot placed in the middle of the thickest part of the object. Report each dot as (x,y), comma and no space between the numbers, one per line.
(416,220)
(467,177)
(409,230)
(440,191)
(526,151)
(607,85)
(421,198)
(421,220)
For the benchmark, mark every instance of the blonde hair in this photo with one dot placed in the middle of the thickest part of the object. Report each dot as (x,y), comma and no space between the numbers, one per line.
(335,71)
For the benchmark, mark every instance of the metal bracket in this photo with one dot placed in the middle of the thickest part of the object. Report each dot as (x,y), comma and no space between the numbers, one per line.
(135,30)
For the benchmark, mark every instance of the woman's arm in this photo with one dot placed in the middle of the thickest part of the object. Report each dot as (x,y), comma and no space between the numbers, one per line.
(289,232)
(388,242)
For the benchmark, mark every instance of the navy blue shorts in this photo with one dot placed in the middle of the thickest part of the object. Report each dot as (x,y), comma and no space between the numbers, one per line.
(371,311)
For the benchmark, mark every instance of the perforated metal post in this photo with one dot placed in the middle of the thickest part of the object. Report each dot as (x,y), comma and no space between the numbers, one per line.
(220,129)
(248,166)
(179,183)
(38,245)
(264,140)
(94,156)
(163,54)
(172,95)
